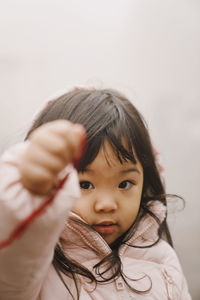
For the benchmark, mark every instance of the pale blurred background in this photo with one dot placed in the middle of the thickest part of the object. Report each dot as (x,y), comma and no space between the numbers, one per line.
(148,49)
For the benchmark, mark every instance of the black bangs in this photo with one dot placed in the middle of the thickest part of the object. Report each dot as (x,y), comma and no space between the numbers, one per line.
(119,138)
(121,143)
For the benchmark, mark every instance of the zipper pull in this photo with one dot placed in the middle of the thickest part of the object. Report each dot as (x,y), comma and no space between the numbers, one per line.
(169,284)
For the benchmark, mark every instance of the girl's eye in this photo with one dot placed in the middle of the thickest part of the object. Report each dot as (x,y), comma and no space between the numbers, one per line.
(86,185)
(125,185)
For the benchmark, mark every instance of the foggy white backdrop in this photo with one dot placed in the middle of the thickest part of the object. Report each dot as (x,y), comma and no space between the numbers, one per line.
(148,49)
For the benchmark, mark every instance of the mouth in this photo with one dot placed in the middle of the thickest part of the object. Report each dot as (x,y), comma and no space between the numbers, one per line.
(105,227)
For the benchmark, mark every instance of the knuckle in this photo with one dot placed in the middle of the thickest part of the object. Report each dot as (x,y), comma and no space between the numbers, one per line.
(56,165)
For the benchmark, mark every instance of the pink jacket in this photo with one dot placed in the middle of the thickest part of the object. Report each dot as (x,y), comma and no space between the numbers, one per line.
(26,270)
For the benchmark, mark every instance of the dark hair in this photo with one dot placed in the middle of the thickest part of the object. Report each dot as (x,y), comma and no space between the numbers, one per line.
(107,114)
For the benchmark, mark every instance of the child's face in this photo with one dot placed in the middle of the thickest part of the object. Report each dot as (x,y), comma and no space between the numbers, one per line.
(110,194)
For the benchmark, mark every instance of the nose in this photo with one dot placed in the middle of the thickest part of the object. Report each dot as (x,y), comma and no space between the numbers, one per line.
(105,203)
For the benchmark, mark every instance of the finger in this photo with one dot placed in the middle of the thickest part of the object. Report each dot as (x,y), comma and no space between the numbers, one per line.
(60,137)
(37,179)
(51,162)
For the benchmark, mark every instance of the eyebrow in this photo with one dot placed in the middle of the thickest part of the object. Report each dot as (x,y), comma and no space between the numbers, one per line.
(129,170)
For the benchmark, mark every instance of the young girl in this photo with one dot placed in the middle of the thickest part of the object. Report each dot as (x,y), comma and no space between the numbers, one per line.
(86,220)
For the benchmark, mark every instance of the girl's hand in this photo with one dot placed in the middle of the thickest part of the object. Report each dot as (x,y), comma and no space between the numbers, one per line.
(52,146)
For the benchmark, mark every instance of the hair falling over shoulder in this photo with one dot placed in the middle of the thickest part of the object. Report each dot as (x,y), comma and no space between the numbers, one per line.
(108,115)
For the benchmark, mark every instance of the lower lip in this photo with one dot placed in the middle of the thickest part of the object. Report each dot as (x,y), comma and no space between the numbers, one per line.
(105,228)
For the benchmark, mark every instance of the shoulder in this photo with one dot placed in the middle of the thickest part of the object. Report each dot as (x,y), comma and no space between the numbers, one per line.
(159,264)
(162,253)
(168,264)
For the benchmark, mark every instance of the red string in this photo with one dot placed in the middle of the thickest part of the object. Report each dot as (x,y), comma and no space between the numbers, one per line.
(17,232)
(29,219)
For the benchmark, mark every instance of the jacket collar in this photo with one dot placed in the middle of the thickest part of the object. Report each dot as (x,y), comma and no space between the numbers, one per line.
(83,240)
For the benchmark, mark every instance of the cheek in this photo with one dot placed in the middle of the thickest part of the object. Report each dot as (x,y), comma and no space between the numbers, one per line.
(81,208)
(131,210)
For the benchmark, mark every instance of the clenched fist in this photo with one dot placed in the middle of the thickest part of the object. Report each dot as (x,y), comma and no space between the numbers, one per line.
(51,147)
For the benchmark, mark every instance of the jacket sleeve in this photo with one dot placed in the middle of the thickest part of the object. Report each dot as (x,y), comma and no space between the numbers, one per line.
(25,262)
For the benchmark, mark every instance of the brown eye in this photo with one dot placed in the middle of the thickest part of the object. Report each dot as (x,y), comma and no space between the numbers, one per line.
(86,185)
(125,185)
